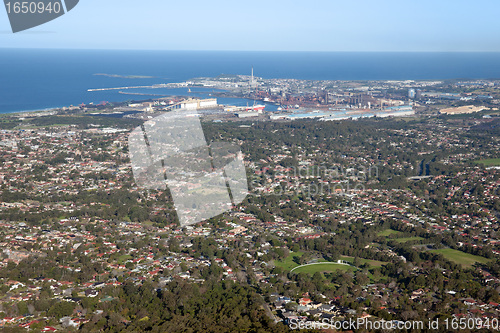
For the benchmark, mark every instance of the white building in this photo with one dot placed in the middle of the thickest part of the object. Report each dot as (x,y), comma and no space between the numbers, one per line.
(197,104)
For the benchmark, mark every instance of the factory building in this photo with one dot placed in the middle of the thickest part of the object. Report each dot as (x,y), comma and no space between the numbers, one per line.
(248,114)
(198,104)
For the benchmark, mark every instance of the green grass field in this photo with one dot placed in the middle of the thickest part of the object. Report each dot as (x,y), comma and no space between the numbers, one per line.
(372,263)
(389,232)
(462,258)
(288,263)
(123,258)
(489,162)
(323,267)
(397,236)
(408,239)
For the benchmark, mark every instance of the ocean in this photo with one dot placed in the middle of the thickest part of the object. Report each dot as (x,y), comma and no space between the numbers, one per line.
(41,79)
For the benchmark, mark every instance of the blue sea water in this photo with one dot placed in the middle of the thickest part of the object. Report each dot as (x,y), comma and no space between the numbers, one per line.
(39,79)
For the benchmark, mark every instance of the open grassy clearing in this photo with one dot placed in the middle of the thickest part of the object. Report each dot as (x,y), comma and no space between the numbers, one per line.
(462,258)
(288,263)
(322,267)
(372,263)
(408,239)
(489,162)
(389,232)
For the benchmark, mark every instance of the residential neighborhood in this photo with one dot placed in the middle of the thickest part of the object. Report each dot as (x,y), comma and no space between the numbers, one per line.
(384,219)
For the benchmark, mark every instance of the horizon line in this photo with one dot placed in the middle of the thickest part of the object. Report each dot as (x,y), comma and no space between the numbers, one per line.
(249,51)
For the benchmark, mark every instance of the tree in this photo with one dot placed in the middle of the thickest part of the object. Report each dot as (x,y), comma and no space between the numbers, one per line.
(61,309)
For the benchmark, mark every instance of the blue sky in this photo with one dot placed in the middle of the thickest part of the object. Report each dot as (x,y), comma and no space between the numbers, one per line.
(271,25)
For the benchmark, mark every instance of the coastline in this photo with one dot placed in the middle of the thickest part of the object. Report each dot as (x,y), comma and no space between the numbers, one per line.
(39,112)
